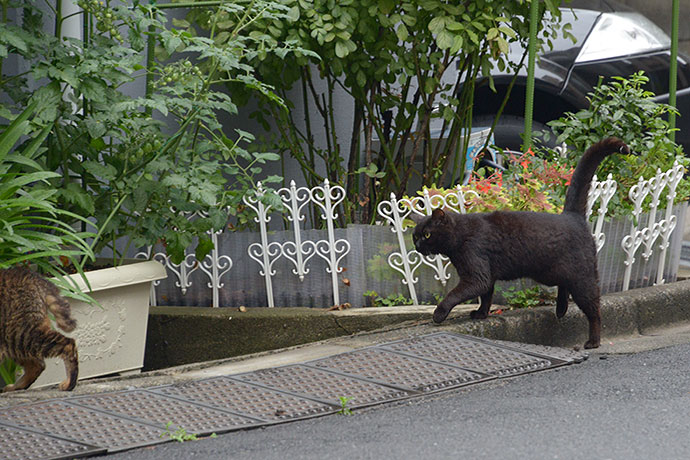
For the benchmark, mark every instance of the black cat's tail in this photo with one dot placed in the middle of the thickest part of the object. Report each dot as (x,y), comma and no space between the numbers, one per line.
(576,196)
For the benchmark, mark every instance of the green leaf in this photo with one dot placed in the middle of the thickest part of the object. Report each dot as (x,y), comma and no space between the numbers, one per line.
(437,25)
(171,43)
(103,171)
(341,49)
(15,130)
(457,44)
(203,248)
(444,40)
(386,6)
(73,193)
(402,33)
(503,45)
(293,14)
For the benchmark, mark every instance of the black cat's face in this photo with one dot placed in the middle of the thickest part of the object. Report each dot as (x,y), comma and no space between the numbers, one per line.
(428,235)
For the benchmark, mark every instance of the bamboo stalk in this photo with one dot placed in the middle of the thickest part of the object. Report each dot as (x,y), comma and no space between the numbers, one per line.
(532,50)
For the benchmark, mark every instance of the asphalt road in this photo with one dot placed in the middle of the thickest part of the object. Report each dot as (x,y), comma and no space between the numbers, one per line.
(634,406)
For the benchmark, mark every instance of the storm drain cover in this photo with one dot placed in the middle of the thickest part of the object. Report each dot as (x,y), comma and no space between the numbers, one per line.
(168,413)
(21,444)
(567,355)
(93,424)
(83,425)
(471,354)
(323,385)
(399,370)
(245,399)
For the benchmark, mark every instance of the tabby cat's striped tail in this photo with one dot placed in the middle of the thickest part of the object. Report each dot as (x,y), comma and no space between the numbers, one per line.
(60,308)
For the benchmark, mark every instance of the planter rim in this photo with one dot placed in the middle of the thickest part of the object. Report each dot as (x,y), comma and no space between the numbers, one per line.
(113,277)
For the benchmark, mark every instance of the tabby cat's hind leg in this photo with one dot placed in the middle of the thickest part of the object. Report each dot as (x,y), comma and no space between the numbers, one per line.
(561,302)
(32,369)
(57,345)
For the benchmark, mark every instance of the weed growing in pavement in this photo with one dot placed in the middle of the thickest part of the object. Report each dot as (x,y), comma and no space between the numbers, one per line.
(390,300)
(527,297)
(344,410)
(179,435)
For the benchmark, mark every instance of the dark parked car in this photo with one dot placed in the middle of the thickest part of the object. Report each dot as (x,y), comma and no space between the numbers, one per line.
(612,40)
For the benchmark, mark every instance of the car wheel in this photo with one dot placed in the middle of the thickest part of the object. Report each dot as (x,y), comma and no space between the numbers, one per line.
(509,130)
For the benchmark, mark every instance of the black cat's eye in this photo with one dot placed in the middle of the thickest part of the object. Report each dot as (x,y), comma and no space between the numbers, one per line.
(427,235)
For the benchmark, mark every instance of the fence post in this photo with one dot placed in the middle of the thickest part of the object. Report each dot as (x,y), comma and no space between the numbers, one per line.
(291,198)
(330,250)
(400,261)
(262,252)
(668,224)
(602,191)
(634,239)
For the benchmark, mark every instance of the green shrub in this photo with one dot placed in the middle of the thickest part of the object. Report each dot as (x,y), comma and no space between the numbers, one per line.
(622,108)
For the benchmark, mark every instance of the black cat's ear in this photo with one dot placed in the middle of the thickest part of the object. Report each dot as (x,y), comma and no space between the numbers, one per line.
(416,218)
(438,214)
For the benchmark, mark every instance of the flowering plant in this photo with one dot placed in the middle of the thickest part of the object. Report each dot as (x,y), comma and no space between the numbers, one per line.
(528,184)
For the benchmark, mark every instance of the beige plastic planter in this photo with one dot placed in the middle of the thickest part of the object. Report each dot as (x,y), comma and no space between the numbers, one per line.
(111,337)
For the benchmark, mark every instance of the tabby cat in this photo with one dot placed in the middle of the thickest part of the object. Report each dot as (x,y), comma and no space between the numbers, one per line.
(552,249)
(26,332)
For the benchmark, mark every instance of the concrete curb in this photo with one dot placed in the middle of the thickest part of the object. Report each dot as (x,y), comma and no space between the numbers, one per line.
(184,335)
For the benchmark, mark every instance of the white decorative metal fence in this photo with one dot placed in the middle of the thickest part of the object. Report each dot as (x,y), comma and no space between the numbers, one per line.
(406,261)
(648,233)
(632,252)
(299,251)
(215,266)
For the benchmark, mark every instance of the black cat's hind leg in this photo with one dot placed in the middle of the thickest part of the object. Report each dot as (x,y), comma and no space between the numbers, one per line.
(466,289)
(561,302)
(483,311)
(586,296)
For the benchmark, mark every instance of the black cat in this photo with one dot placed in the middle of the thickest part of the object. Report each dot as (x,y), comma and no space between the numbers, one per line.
(552,249)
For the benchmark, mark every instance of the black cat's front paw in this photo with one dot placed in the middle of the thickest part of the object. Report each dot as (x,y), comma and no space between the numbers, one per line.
(479,314)
(440,314)
(592,343)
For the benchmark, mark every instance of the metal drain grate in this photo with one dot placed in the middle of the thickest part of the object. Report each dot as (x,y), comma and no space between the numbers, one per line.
(73,427)
(402,371)
(147,407)
(245,399)
(563,354)
(477,356)
(21,444)
(326,386)
(83,425)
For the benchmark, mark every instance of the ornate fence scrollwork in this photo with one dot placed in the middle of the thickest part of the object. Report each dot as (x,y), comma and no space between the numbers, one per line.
(406,261)
(326,197)
(647,234)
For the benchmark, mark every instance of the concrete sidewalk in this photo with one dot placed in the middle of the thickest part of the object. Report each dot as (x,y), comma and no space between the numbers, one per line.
(625,316)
